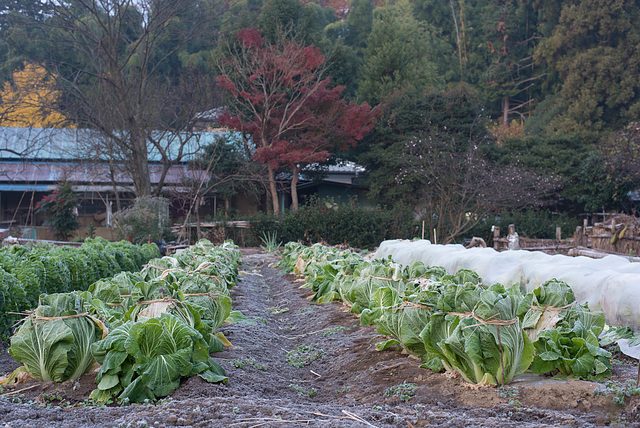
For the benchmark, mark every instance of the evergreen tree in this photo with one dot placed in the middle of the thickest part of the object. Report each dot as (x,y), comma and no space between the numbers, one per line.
(510,76)
(595,49)
(398,55)
(408,114)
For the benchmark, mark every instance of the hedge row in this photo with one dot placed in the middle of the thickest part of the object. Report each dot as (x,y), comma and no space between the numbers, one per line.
(358,227)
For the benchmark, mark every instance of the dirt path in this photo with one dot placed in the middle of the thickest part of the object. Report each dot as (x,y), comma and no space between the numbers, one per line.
(348,384)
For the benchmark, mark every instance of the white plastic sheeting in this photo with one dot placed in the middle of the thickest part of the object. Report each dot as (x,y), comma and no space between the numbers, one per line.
(610,284)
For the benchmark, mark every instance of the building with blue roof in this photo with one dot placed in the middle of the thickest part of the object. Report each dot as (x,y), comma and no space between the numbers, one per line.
(34,160)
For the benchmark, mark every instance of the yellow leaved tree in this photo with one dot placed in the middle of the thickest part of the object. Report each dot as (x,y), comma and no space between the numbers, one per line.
(29,100)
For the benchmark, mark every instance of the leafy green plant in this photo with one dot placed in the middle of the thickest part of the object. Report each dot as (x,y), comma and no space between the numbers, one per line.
(240,364)
(146,359)
(513,395)
(54,343)
(334,330)
(344,389)
(619,391)
(277,310)
(304,355)
(91,230)
(572,347)
(270,242)
(456,322)
(162,323)
(303,392)
(404,390)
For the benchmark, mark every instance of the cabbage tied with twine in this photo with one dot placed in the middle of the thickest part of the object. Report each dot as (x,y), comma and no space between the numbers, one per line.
(147,329)
(487,333)
(54,342)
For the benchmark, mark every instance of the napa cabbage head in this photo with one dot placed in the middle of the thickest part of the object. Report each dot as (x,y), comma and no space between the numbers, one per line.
(54,343)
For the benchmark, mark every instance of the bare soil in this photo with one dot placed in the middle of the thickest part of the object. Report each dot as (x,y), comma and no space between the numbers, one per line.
(350,384)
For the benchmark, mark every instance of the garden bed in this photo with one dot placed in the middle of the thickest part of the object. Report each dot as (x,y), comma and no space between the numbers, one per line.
(301,364)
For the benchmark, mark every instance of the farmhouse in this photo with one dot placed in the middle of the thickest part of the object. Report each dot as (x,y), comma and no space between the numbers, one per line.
(34,160)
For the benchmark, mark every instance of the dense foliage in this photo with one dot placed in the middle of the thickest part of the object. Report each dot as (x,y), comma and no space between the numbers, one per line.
(487,333)
(553,86)
(163,323)
(27,273)
(359,227)
(54,343)
(537,224)
(147,329)
(146,220)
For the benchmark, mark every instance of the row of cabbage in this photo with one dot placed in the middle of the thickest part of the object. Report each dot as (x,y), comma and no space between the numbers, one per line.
(26,273)
(487,333)
(146,329)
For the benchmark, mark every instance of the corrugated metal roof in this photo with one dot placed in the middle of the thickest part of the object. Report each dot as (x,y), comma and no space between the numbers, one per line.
(71,144)
(43,173)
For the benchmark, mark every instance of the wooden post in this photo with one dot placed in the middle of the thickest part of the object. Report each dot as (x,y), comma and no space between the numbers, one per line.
(496,237)
(423,229)
(558,233)
(512,229)
(578,236)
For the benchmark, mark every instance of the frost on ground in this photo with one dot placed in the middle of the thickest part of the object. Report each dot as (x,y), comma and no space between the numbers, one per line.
(300,364)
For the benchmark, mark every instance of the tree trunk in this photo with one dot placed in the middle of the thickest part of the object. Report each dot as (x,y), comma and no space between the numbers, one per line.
(141,177)
(273,190)
(294,188)
(505,111)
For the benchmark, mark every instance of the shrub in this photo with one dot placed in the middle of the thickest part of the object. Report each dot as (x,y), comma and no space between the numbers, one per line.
(60,209)
(360,227)
(147,220)
(529,223)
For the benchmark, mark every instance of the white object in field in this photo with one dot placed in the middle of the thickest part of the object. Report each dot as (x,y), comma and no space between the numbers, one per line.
(632,351)
(513,242)
(610,284)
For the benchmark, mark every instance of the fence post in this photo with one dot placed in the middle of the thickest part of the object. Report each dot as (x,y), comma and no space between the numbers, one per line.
(558,233)
(496,237)
(579,236)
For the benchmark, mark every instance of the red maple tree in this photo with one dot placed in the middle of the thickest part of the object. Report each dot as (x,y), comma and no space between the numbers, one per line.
(279,95)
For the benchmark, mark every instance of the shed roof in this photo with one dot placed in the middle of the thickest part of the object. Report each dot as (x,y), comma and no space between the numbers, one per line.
(72,144)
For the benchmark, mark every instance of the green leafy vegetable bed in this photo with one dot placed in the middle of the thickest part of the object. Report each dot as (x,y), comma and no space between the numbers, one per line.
(487,333)
(147,329)
(26,273)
